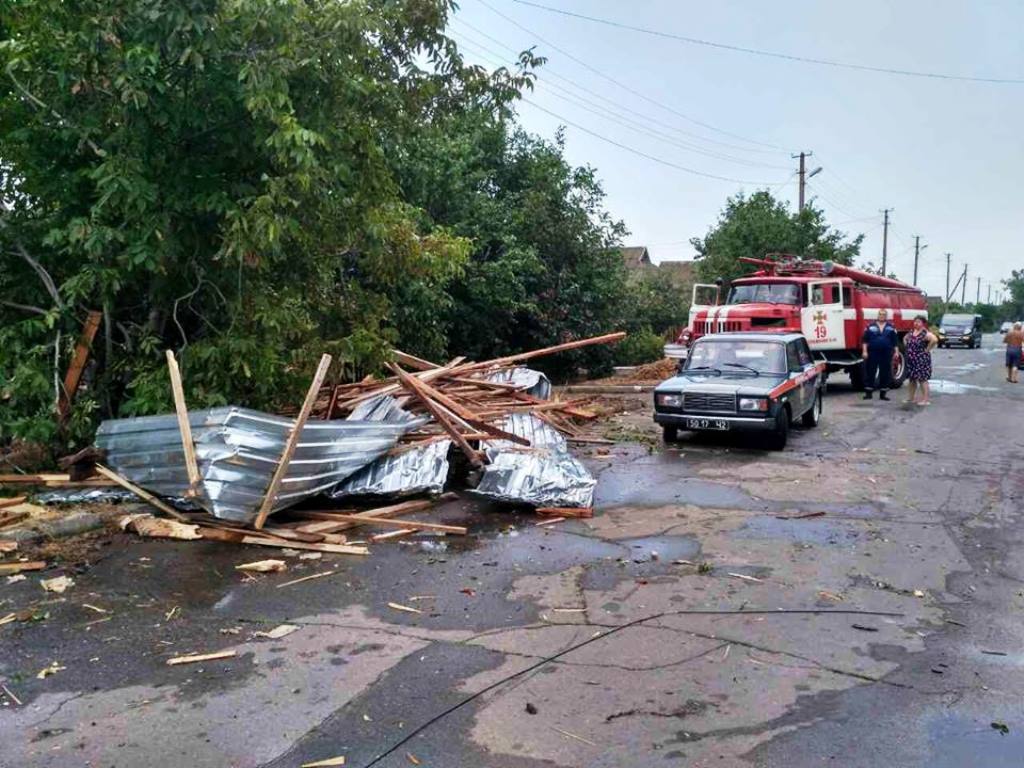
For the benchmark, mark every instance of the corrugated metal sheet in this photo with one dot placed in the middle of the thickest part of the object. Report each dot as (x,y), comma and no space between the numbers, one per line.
(544,475)
(528,380)
(238,450)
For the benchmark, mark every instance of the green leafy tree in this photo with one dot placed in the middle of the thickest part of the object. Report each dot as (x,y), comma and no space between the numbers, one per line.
(761,224)
(217,176)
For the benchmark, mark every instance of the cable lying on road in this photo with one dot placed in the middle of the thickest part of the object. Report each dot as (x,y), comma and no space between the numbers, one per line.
(635,622)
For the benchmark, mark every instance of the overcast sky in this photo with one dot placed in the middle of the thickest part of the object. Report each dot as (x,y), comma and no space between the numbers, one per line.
(946,155)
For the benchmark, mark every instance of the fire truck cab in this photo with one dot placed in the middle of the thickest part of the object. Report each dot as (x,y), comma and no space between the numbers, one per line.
(829,303)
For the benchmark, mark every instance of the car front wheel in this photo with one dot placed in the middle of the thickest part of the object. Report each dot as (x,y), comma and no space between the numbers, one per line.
(669,434)
(813,415)
(777,440)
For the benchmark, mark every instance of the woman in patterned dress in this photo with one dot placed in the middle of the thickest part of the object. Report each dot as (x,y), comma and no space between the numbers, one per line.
(918,345)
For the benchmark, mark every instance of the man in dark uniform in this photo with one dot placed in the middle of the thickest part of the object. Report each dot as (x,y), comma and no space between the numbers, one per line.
(878,346)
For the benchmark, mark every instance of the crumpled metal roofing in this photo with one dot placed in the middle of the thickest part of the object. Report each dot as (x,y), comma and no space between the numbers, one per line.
(543,475)
(418,469)
(528,380)
(237,450)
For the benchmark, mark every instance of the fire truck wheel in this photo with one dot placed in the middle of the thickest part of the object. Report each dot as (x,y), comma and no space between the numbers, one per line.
(669,434)
(813,415)
(899,367)
(857,376)
(777,439)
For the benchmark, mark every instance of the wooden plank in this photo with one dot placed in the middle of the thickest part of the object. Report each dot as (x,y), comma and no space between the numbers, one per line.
(469,417)
(145,495)
(337,549)
(78,361)
(12,501)
(416,388)
(33,565)
(411,361)
(10,518)
(184,427)
(328,521)
(566,511)
(293,440)
(389,522)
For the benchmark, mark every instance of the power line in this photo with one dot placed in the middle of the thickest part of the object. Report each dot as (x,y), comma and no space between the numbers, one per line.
(547,70)
(635,151)
(776,54)
(609,114)
(625,87)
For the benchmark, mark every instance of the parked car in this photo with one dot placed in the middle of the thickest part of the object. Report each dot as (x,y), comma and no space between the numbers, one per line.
(960,330)
(1006,327)
(755,383)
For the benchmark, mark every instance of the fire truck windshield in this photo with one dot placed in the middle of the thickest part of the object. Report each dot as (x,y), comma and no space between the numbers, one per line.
(765,293)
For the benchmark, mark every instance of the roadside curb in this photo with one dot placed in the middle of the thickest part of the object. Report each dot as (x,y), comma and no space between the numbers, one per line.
(72,525)
(608,389)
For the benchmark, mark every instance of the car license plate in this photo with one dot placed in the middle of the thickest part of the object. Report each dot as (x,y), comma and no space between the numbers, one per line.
(717,424)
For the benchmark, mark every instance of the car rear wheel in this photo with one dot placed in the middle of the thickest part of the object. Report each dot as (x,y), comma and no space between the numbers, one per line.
(777,440)
(813,415)
(669,434)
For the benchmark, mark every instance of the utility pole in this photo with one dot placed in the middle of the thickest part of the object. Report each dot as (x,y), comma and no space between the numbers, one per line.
(917,251)
(804,175)
(989,294)
(885,240)
(977,299)
(963,291)
(949,256)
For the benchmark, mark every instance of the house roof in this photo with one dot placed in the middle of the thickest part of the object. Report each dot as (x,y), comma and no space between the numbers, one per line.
(635,256)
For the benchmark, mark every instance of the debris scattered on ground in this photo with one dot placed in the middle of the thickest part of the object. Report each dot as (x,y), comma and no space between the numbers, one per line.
(918,593)
(148,526)
(745,577)
(53,669)
(864,628)
(197,657)
(10,695)
(328,763)
(530,709)
(282,630)
(306,578)
(1003,728)
(800,516)
(405,608)
(263,566)
(58,584)
(412,758)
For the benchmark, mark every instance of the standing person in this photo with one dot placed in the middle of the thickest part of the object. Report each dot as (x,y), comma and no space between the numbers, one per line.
(878,348)
(1013,340)
(918,345)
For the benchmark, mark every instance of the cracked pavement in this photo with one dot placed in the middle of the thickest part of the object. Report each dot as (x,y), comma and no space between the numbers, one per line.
(757,655)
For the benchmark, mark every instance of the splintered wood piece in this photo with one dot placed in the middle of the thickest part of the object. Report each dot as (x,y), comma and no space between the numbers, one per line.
(329,522)
(74,373)
(292,442)
(197,657)
(10,518)
(391,535)
(145,495)
(13,501)
(184,427)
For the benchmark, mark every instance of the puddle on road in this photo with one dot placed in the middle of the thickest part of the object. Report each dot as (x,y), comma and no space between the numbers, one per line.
(956,741)
(806,531)
(947,387)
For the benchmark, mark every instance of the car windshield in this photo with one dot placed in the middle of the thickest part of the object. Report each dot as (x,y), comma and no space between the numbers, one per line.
(735,356)
(957,324)
(765,293)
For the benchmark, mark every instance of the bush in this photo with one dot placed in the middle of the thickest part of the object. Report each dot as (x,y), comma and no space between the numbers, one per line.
(639,347)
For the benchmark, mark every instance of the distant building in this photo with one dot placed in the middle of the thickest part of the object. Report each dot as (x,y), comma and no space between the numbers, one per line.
(637,259)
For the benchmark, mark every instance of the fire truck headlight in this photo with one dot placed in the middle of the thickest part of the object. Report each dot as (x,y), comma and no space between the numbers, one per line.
(669,400)
(753,404)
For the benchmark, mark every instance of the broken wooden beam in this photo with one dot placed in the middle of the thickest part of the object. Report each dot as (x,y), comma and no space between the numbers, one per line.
(143,494)
(578,512)
(293,440)
(78,362)
(184,427)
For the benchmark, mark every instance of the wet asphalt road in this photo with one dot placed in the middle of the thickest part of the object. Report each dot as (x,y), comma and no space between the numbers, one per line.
(922,523)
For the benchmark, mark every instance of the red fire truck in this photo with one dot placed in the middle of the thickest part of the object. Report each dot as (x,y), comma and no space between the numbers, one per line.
(829,303)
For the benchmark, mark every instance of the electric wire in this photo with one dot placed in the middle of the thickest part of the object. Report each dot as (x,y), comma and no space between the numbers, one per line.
(628,88)
(777,54)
